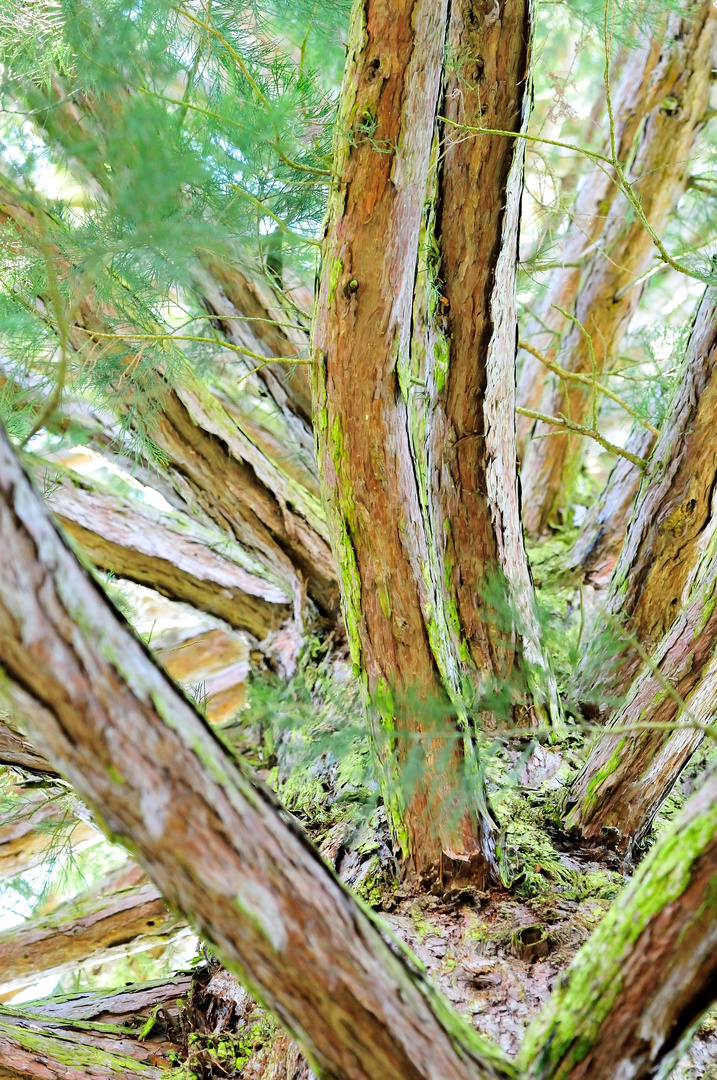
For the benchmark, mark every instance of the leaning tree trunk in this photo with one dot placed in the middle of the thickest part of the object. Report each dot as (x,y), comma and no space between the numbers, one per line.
(172,553)
(664,563)
(636,991)
(611,287)
(214,459)
(633,767)
(220,849)
(673,518)
(215,843)
(92,929)
(632,101)
(127,1035)
(413,351)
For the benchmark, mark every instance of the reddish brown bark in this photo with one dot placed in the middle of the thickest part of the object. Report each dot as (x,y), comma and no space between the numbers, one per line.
(602,533)
(611,290)
(413,394)
(214,464)
(634,993)
(673,519)
(629,773)
(633,99)
(212,840)
(173,554)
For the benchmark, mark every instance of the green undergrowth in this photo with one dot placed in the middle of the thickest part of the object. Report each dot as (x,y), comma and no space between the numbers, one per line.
(313,733)
(531,865)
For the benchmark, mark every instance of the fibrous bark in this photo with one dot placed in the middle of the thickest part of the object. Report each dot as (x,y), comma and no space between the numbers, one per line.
(611,285)
(629,773)
(213,841)
(673,520)
(414,342)
(635,992)
(91,929)
(666,560)
(172,553)
(217,468)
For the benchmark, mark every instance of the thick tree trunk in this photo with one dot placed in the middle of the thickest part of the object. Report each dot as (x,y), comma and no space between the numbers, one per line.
(214,842)
(635,992)
(92,929)
(629,773)
(174,554)
(602,533)
(611,289)
(414,432)
(632,101)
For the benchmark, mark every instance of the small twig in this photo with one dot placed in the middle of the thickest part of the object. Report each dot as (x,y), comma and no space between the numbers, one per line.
(580,429)
(577,376)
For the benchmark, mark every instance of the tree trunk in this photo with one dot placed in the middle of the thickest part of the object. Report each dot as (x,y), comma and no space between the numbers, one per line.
(661,567)
(636,991)
(17,752)
(212,840)
(611,288)
(602,533)
(174,554)
(633,99)
(91,929)
(414,343)
(673,520)
(629,773)
(217,468)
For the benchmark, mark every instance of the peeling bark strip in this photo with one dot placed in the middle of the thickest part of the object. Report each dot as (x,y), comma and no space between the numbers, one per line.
(91,929)
(214,843)
(611,291)
(634,993)
(413,439)
(173,554)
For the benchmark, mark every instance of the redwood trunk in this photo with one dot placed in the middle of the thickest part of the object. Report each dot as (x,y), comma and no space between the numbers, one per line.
(414,343)
(602,533)
(673,519)
(632,101)
(633,995)
(611,289)
(212,840)
(220,467)
(662,567)
(629,773)
(174,554)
